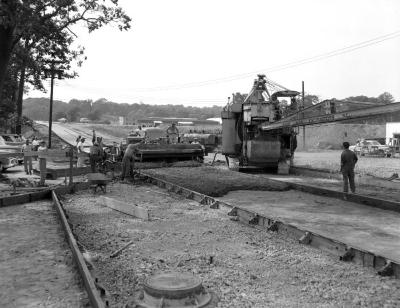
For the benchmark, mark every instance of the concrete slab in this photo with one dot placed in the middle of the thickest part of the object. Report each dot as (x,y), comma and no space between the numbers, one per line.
(337,185)
(364,227)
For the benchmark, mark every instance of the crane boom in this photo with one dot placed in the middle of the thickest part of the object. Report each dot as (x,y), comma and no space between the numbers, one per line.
(327,116)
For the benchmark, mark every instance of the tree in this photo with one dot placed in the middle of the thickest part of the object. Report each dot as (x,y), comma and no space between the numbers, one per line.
(60,115)
(309,100)
(94,116)
(386,98)
(42,30)
(73,114)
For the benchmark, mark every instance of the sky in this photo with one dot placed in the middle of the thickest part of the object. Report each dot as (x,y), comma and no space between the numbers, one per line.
(197,53)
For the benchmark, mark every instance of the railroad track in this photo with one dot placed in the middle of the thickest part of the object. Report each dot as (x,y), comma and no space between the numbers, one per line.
(45,260)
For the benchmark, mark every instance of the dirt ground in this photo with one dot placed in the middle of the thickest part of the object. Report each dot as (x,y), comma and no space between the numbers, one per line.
(249,267)
(376,166)
(36,265)
(214,182)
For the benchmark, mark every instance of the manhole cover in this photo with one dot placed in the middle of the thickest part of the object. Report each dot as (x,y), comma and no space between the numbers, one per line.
(173,289)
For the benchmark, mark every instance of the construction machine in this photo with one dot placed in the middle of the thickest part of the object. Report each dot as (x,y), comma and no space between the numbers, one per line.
(243,118)
(259,130)
(155,145)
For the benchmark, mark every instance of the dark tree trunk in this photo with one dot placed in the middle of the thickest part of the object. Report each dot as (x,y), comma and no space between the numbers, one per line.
(21,85)
(6,45)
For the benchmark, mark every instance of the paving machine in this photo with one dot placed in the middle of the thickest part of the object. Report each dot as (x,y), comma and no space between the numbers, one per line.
(242,119)
(258,130)
(155,146)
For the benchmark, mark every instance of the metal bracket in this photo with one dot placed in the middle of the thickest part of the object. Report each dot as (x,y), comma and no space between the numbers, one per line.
(273,227)
(306,238)
(387,269)
(348,255)
(233,212)
(254,220)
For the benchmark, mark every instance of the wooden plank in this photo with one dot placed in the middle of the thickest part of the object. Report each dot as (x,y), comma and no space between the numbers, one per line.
(130,209)
(88,281)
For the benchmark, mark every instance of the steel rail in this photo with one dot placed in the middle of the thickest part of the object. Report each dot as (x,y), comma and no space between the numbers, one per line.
(90,283)
(345,252)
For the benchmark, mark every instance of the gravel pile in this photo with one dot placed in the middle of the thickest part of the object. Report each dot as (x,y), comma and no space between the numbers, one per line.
(215,182)
(243,266)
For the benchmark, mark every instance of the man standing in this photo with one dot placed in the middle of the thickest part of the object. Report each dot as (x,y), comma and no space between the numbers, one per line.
(173,133)
(81,158)
(94,156)
(27,159)
(348,161)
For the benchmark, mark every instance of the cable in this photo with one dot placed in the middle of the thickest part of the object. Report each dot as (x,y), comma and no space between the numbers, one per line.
(319,57)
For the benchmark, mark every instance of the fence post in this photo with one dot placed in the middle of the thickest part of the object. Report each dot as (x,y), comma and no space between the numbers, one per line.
(71,157)
(43,170)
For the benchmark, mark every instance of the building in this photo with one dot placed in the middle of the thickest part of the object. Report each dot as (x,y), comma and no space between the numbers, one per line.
(392,131)
(122,120)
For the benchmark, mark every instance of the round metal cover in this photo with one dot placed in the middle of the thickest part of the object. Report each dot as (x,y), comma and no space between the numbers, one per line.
(172,285)
(173,289)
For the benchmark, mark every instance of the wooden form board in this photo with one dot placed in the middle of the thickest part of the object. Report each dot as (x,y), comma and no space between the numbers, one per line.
(126,208)
(53,154)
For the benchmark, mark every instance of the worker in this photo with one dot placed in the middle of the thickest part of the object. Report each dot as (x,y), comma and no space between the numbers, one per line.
(115,151)
(35,143)
(173,133)
(42,146)
(348,161)
(128,161)
(81,158)
(95,156)
(27,147)
(78,140)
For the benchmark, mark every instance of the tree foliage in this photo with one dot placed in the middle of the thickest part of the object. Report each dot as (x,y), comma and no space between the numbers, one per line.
(37,109)
(384,98)
(33,33)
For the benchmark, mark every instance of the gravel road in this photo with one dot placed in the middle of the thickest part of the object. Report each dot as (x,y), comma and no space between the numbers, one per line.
(249,267)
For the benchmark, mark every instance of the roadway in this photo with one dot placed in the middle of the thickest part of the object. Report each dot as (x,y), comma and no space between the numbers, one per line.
(69,133)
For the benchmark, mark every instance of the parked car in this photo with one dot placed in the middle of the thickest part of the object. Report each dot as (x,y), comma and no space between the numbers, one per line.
(370,147)
(12,139)
(10,155)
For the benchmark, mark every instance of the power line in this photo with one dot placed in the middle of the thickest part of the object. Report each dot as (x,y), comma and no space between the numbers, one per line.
(292,64)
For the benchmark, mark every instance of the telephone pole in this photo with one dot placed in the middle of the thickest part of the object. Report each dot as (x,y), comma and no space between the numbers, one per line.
(52,71)
(302,106)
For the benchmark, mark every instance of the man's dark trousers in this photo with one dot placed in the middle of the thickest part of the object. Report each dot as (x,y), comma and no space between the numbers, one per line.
(348,176)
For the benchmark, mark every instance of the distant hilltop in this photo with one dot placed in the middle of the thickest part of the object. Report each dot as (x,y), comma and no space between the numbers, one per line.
(103,110)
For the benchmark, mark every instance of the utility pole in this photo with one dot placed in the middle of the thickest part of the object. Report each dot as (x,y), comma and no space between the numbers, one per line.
(302,107)
(52,71)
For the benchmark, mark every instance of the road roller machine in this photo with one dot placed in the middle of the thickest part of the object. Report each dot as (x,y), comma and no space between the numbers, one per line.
(243,138)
